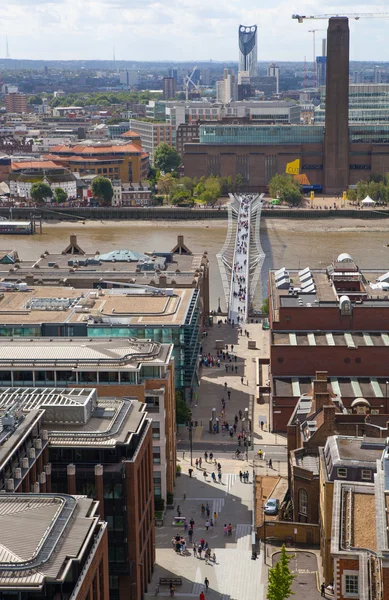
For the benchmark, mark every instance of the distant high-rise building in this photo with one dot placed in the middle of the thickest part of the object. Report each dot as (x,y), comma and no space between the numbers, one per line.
(16,102)
(321,69)
(174,73)
(129,78)
(206,77)
(169,88)
(248,49)
(359,77)
(377,75)
(274,71)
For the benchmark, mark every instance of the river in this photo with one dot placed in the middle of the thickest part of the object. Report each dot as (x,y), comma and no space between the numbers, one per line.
(286,243)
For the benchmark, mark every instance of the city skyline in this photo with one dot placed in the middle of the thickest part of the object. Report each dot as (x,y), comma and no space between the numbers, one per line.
(67,30)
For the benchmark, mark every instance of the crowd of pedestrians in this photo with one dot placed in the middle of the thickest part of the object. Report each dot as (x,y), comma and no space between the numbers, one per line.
(239,273)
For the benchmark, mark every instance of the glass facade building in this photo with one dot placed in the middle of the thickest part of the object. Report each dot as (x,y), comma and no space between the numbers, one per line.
(368,103)
(261,134)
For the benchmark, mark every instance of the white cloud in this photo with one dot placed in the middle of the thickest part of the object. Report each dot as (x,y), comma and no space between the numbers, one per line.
(178,29)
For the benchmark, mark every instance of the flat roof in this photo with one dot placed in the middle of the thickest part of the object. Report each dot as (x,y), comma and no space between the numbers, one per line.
(78,353)
(358,450)
(336,338)
(58,526)
(342,387)
(129,306)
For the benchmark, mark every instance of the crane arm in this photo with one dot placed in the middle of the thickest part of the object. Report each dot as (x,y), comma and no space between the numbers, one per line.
(356,16)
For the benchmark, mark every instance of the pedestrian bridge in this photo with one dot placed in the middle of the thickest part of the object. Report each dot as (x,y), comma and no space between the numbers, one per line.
(241,258)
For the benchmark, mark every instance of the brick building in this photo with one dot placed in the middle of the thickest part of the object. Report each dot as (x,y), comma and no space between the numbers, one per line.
(16,102)
(359,536)
(64,554)
(100,448)
(332,320)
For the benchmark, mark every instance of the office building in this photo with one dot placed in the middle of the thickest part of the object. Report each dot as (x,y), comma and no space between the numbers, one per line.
(144,370)
(321,70)
(162,316)
(248,57)
(377,75)
(368,104)
(115,159)
(152,134)
(16,102)
(227,88)
(359,77)
(100,448)
(174,73)
(129,78)
(53,546)
(168,88)
(274,71)
(333,318)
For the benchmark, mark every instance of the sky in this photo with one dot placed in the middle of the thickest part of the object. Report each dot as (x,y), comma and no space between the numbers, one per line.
(180,29)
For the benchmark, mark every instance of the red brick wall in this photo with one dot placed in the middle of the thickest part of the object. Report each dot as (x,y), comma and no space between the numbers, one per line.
(339,361)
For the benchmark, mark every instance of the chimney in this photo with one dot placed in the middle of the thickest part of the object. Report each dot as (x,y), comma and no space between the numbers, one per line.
(329,412)
(321,395)
(162,281)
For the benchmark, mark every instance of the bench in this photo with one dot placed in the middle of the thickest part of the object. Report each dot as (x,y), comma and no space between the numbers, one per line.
(170,580)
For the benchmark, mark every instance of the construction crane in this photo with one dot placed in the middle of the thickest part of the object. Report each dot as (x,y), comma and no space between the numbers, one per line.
(188,80)
(313,31)
(356,16)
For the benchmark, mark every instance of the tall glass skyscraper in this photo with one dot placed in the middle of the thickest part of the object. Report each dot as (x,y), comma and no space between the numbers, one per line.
(248,49)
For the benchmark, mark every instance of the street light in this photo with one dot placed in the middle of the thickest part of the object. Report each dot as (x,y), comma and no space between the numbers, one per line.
(264,535)
(190,428)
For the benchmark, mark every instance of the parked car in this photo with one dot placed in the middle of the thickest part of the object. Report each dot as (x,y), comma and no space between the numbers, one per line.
(271,507)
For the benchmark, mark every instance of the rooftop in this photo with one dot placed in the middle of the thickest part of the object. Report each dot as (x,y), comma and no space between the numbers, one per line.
(58,528)
(347,450)
(72,418)
(78,353)
(341,387)
(130,306)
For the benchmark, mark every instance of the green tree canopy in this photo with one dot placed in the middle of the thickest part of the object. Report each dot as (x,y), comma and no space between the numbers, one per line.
(102,189)
(183,412)
(166,158)
(286,189)
(280,578)
(60,195)
(40,191)
(166,183)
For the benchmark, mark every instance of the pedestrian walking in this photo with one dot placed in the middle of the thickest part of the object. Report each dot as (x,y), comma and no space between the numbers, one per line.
(194,551)
(225,529)
(202,509)
(183,455)
(190,534)
(247,476)
(270,463)
(199,551)
(172,590)
(240,475)
(215,517)
(200,461)
(214,557)
(229,529)
(240,412)
(229,394)
(207,524)
(206,583)
(206,456)
(323,590)
(197,463)
(225,384)
(202,596)
(190,471)
(219,476)
(191,523)
(178,511)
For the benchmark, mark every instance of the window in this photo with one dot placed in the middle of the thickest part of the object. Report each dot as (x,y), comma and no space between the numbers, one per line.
(366,474)
(351,584)
(342,473)
(156,456)
(303,502)
(156,430)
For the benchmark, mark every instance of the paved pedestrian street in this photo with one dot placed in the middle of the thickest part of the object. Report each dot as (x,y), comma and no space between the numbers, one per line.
(234,575)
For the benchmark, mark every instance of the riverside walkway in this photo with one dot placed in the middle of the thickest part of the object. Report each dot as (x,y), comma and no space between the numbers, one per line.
(241,258)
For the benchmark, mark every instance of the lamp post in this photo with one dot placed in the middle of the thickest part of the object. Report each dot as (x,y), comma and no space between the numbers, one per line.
(190,428)
(264,534)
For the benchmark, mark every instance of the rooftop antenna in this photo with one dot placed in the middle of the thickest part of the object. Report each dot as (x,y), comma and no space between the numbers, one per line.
(6,48)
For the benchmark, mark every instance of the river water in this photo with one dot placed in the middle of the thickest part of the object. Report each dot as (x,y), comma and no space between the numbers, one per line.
(286,243)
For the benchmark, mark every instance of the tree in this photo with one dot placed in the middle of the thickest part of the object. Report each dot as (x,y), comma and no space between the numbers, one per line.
(239,182)
(40,191)
(183,412)
(180,196)
(213,187)
(60,195)
(291,194)
(166,158)
(102,189)
(166,183)
(265,306)
(280,578)
(286,189)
